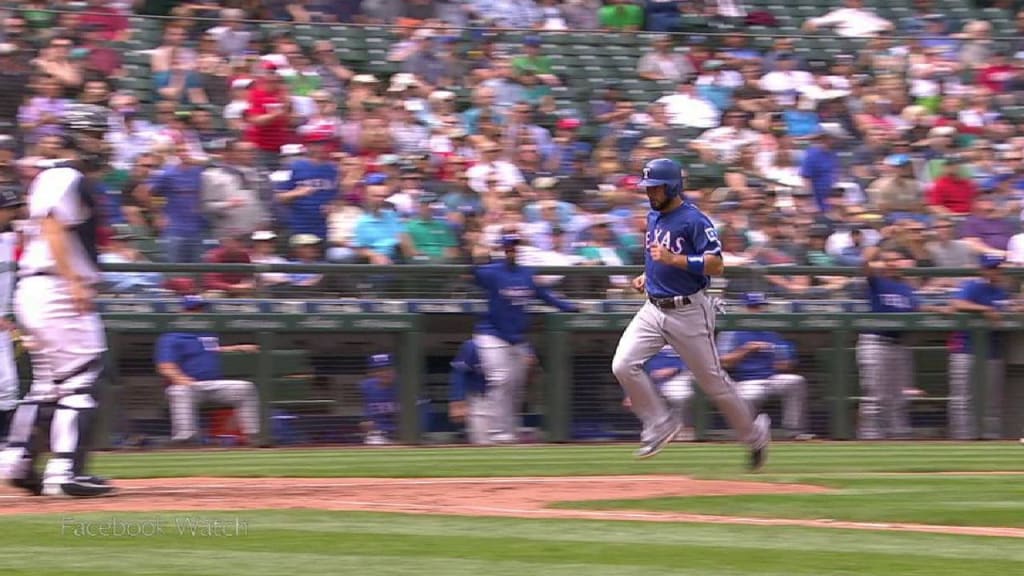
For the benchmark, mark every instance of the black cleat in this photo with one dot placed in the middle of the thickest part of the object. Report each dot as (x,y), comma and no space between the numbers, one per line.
(32,483)
(78,489)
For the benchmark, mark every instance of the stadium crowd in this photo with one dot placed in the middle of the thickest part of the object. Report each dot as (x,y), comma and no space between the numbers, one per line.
(241,141)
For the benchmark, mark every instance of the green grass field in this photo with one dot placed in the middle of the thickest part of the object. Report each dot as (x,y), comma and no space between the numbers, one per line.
(866,479)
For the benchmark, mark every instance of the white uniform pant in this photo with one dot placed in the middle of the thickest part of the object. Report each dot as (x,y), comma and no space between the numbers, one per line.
(66,349)
(506,367)
(8,375)
(792,388)
(886,370)
(962,419)
(240,394)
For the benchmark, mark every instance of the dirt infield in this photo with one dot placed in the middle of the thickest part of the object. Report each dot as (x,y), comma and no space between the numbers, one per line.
(507,497)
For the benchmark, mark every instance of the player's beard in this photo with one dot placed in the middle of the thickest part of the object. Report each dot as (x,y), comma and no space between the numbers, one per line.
(659,205)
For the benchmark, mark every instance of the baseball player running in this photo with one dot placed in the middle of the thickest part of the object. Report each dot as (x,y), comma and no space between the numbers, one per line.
(985,296)
(500,336)
(191,364)
(11,203)
(758,361)
(886,364)
(682,252)
(54,305)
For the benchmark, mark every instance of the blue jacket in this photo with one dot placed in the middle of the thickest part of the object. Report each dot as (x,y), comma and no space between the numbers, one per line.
(756,365)
(467,375)
(180,187)
(197,355)
(380,404)
(509,289)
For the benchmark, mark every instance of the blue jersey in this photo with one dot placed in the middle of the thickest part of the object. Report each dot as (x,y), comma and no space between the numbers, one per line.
(685,230)
(756,365)
(467,373)
(180,187)
(667,358)
(509,289)
(380,404)
(888,295)
(197,355)
(986,294)
(305,214)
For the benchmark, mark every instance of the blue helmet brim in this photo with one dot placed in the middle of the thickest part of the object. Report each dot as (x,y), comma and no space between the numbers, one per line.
(647,183)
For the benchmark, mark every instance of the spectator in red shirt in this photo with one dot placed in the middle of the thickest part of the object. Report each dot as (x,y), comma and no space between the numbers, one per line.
(997,74)
(113,24)
(952,193)
(230,251)
(102,60)
(269,116)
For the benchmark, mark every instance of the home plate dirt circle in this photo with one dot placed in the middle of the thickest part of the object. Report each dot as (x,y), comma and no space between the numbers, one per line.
(527,497)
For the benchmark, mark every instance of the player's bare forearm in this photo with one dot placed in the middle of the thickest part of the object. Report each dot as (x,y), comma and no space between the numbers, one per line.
(173,374)
(56,238)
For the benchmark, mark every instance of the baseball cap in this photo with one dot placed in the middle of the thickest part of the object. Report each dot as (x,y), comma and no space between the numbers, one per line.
(375,179)
(305,240)
(379,361)
(991,261)
(193,302)
(263,235)
(755,299)
(509,239)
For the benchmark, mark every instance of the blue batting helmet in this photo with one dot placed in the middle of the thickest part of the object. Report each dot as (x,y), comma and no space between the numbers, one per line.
(663,172)
(378,361)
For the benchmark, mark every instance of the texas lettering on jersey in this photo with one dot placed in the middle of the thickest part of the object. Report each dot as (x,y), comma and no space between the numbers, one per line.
(316,183)
(662,237)
(896,301)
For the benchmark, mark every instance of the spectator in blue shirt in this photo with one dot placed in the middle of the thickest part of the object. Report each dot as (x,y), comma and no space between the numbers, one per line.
(820,167)
(312,186)
(380,401)
(120,250)
(380,234)
(184,226)
(190,362)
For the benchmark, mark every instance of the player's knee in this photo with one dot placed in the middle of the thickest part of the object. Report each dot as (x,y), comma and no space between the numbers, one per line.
(625,368)
(178,391)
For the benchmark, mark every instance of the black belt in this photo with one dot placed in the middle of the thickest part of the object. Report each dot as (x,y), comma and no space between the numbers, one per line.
(670,303)
(39,273)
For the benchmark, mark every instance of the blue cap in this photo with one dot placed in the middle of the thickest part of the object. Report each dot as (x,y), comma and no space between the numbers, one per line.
(755,299)
(193,302)
(509,239)
(532,41)
(991,261)
(897,160)
(379,361)
(375,179)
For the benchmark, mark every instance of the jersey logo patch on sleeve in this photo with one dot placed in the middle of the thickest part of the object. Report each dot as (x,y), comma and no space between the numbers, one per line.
(711,233)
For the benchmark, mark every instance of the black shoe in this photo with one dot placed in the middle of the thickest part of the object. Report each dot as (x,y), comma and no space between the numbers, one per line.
(76,489)
(32,483)
(93,480)
(759,451)
(668,431)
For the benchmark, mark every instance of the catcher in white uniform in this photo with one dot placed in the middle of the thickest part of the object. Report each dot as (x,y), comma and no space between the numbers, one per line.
(54,305)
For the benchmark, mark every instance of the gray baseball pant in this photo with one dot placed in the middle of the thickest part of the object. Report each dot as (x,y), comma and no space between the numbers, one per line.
(690,330)
(886,370)
(961,399)
(240,394)
(505,367)
(793,390)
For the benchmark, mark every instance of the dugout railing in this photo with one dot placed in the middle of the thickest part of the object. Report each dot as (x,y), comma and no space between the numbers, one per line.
(574,350)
